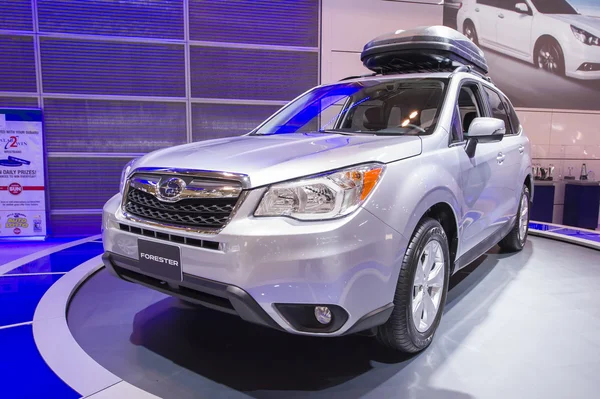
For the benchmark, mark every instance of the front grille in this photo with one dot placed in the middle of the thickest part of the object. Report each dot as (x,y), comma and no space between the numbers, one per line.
(212,213)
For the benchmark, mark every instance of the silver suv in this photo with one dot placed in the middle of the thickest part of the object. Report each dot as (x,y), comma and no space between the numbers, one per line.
(346,211)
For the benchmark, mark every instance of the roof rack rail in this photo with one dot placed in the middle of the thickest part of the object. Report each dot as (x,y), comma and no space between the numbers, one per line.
(470,69)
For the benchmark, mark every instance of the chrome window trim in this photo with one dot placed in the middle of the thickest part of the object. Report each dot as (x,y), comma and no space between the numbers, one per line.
(242,179)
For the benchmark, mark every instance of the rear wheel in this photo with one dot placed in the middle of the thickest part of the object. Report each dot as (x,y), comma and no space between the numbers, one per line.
(421,290)
(470,32)
(515,240)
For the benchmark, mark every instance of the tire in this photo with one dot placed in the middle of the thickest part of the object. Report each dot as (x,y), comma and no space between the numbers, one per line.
(401,332)
(516,238)
(470,32)
(549,56)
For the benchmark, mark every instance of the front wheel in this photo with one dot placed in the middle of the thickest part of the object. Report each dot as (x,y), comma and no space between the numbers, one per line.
(516,238)
(550,57)
(421,290)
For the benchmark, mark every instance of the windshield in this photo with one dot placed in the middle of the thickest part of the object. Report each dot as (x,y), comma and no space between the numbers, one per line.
(553,7)
(379,107)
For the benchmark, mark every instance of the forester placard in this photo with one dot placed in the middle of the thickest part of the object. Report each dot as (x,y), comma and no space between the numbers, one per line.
(22,174)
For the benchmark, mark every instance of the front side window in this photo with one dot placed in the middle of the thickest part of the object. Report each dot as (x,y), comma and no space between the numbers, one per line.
(469,105)
(553,7)
(376,107)
(498,108)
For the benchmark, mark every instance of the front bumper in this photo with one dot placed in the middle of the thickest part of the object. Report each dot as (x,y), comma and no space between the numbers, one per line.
(581,61)
(255,265)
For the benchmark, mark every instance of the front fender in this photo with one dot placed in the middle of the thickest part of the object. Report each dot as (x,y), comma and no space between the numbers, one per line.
(401,199)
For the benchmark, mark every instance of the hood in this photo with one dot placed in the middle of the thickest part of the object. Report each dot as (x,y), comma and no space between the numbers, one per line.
(275,158)
(590,24)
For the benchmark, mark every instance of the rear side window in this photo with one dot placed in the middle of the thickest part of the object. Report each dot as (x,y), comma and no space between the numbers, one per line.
(498,108)
(514,119)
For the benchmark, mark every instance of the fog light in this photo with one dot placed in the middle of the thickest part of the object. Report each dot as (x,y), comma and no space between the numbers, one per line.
(323,314)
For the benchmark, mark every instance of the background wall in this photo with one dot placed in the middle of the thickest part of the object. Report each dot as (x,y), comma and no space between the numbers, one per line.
(563,138)
(347,25)
(117,79)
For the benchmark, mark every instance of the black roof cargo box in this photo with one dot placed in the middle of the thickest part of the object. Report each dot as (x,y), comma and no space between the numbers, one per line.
(434,48)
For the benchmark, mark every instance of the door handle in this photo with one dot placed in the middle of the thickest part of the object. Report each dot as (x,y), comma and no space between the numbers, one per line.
(500,158)
(521,149)
(477,10)
(501,16)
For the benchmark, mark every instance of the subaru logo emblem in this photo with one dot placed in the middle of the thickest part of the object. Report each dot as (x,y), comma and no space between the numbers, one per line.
(171,189)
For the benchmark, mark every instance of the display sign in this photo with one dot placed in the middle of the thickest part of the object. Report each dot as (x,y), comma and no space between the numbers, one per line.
(541,53)
(22,173)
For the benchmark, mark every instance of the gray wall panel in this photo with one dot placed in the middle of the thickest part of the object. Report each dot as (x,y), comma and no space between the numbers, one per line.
(275,22)
(92,67)
(17,64)
(113,126)
(155,19)
(251,74)
(16,15)
(211,121)
(74,225)
(18,102)
(83,183)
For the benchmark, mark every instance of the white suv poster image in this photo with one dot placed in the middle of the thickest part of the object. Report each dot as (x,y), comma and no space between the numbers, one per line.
(550,36)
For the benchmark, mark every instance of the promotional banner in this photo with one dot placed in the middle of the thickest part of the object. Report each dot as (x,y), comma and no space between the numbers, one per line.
(541,53)
(22,174)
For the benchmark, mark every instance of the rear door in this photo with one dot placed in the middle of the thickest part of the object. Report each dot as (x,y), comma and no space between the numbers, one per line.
(486,14)
(511,149)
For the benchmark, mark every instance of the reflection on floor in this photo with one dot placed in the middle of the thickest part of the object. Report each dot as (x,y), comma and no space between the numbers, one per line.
(521,325)
(515,326)
(23,372)
(11,250)
(588,235)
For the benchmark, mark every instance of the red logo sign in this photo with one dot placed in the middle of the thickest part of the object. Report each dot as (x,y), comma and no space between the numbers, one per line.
(17,231)
(15,188)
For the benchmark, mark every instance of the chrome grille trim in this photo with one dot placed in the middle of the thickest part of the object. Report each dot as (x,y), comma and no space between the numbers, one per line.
(195,188)
(221,185)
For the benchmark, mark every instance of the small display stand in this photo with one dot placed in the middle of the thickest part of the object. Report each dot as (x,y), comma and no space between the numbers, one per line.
(582,204)
(542,208)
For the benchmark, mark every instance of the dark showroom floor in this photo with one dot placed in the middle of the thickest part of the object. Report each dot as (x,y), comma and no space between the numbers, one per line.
(524,325)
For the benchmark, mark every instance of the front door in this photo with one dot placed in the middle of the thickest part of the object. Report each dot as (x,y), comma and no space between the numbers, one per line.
(513,28)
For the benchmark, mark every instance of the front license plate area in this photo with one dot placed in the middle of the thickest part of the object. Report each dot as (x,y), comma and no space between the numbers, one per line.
(160,259)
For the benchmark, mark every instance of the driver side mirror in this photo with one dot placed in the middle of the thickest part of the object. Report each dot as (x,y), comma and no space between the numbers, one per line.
(484,130)
(522,8)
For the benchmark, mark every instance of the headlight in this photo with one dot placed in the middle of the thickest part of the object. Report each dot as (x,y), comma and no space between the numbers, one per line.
(126,170)
(321,197)
(585,37)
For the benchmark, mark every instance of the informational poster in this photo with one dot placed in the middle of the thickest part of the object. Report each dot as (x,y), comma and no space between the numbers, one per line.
(541,53)
(22,174)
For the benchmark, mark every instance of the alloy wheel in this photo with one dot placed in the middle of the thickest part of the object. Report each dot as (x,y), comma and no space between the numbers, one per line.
(523,218)
(428,286)
(549,58)
(470,32)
